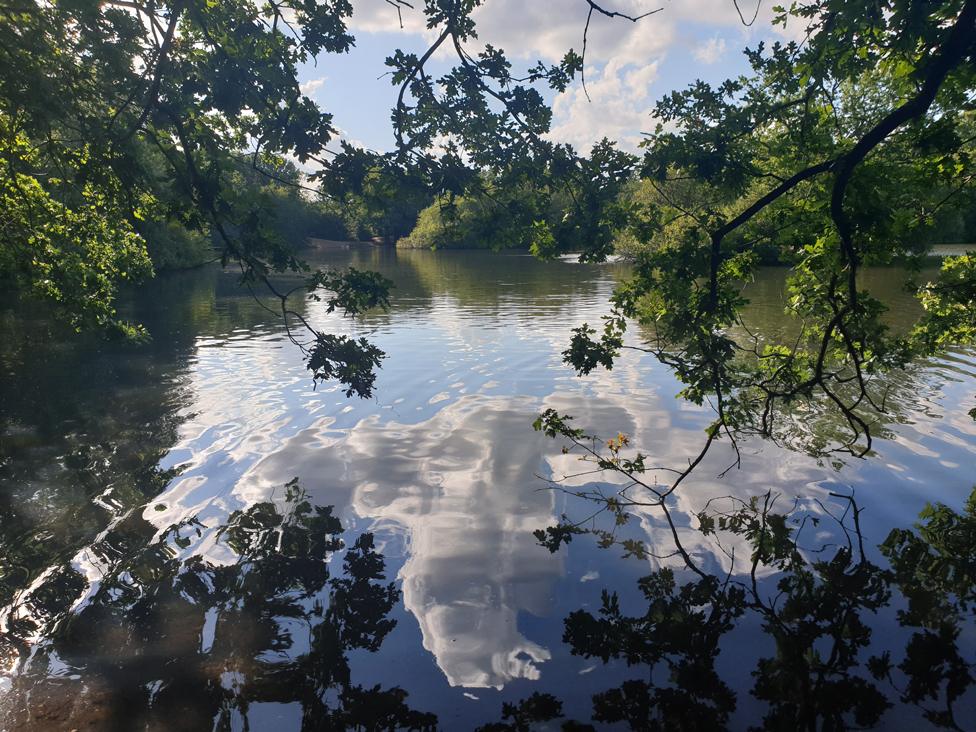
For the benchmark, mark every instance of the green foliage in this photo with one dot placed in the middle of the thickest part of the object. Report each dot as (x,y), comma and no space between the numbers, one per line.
(297,218)
(949,313)
(171,122)
(815,159)
(172,246)
(585,354)
(69,244)
(563,204)
(374,198)
(551,423)
(354,291)
(935,565)
(214,73)
(351,361)
(472,222)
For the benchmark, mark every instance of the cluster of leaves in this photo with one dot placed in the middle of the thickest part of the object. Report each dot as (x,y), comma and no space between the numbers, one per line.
(69,244)
(833,160)
(350,361)
(489,117)
(949,315)
(681,630)
(375,196)
(353,291)
(122,119)
(550,204)
(495,219)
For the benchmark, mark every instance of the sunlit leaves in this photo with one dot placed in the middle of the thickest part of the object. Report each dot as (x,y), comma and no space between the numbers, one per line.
(72,247)
(121,120)
(551,423)
(350,361)
(950,305)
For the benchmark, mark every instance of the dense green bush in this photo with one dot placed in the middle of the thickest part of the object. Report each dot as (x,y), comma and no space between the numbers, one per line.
(173,246)
(574,208)
(293,219)
(297,218)
(373,202)
(472,222)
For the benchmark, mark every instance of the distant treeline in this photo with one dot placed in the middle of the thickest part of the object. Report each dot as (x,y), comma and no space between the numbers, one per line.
(500,219)
(494,218)
(645,214)
(610,201)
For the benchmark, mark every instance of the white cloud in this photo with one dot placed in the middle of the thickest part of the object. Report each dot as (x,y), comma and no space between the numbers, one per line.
(617,107)
(308,88)
(548,29)
(710,51)
(622,57)
(379,16)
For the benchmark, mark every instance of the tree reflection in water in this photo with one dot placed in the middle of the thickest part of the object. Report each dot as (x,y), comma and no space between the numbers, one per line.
(813,591)
(194,643)
(201,627)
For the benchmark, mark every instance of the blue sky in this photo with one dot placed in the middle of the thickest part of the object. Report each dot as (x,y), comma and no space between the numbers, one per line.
(629,65)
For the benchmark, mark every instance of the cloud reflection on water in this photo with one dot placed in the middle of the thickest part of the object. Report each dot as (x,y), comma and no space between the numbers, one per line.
(455,473)
(463,486)
(455,477)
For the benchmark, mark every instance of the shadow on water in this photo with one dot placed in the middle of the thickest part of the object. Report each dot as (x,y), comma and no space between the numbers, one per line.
(249,625)
(853,636)
(84,422)
(250,630)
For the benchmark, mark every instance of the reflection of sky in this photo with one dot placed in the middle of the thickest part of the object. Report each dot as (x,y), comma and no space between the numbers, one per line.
(444,463)
(460,485)
(445,455)
(439,454)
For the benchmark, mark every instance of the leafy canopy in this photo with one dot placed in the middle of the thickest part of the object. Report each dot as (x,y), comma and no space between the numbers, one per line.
(116,114)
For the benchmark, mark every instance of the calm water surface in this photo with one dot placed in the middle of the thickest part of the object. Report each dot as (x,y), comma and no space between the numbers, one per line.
(167,554)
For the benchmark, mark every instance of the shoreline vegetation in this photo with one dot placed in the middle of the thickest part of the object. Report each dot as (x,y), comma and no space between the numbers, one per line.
(936,251)
(517,222)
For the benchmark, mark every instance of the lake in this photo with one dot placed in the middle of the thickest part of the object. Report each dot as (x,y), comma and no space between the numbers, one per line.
(194,537)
